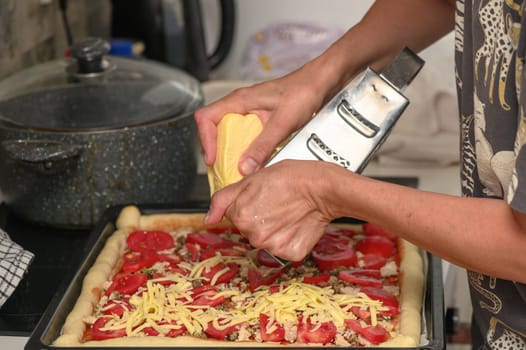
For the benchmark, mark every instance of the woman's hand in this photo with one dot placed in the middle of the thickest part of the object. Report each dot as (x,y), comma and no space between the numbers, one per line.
(283,105)
(283,208)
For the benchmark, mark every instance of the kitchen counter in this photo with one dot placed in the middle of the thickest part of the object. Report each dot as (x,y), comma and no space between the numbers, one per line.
(441,179)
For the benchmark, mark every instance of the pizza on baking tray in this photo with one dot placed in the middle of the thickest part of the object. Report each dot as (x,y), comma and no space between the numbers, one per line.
(167,280)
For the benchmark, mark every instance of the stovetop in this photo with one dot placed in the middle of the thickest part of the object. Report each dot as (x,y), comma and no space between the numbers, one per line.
(57,256)
(58,253)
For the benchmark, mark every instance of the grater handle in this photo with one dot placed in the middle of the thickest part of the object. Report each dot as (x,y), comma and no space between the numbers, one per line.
(403,69)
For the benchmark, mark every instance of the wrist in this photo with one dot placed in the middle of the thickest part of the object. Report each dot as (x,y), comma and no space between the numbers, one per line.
(328,74)
(336,195)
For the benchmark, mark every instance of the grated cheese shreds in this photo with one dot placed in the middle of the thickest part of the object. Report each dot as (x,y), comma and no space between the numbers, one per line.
(166,303)
(173,303)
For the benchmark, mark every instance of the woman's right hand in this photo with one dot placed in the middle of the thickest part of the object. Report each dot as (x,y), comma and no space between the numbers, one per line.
(283,105)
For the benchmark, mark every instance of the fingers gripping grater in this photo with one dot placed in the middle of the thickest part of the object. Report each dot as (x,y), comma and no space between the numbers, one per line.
(350,128)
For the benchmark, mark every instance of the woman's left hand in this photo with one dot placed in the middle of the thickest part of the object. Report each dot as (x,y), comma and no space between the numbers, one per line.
(282,208)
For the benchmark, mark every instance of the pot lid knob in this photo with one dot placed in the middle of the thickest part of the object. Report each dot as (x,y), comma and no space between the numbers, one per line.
(89,54)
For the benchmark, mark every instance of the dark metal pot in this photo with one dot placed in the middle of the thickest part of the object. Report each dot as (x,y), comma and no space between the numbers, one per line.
(111,132)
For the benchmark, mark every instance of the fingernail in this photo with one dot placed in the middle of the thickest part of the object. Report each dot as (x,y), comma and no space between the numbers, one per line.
(248,166)
(206,218)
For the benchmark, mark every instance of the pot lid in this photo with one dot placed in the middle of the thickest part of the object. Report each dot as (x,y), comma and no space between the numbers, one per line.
(95,91)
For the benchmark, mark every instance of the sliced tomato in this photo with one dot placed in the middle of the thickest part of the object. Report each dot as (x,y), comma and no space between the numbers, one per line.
(170,270)
(204,239)
(330,254)
(297,263)
(375,230)
(135,261)
(212,251)
(372,261)
(391,311)
(140,241)
(309,333)
(165,282)
(229,244)
(365,314)
(277,334)
(354,325)
(98,334)
(179,270)
(205,295)
(127,283)
(116,307)
(208,299)
(377,245)
(367,272)
(221,333)
(193,249)
(360,280)
(150,331)
(361,312)
(202,289)
(256,278)
(266,259)
(375,334)
(172,259)
(175,332)
(380,294)
(274,288)
(136,241)
(224,277)
(322,278)
(159,240)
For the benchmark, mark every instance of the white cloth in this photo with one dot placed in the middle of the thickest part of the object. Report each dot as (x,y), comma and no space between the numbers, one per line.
(14,262)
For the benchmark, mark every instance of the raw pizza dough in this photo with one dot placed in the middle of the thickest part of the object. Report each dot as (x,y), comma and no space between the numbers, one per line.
(411,289)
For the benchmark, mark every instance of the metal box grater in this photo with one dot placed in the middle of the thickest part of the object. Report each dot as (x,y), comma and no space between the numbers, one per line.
(353,125)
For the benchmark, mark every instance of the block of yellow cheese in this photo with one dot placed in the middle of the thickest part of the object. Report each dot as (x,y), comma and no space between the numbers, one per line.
(235,132)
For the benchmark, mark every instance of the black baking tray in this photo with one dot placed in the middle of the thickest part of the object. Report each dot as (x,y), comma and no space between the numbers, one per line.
(49,326)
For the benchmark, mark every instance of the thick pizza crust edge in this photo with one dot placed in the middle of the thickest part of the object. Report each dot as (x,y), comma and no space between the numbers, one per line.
(411,296)
(97,275)
(130,218)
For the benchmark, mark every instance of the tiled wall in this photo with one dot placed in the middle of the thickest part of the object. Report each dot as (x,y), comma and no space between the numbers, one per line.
(32,31)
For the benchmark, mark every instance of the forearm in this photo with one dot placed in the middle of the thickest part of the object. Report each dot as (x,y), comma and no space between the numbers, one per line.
(378,37)
(480,234)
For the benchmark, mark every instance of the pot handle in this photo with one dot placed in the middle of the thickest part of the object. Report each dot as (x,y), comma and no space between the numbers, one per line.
(40,151)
